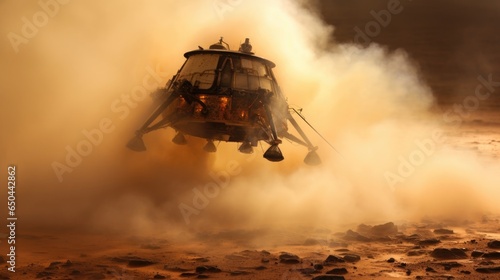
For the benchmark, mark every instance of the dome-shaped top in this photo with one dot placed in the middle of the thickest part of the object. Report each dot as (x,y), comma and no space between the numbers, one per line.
(221,45)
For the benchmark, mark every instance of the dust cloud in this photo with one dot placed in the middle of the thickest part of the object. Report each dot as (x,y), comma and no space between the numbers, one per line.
(87,70)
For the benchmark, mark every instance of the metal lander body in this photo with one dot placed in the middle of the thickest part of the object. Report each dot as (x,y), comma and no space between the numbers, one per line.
(225,95)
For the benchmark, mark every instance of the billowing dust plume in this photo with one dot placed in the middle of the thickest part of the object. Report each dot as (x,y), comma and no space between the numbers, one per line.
(89,71)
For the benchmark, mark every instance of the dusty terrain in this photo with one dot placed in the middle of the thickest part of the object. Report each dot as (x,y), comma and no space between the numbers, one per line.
(405,250)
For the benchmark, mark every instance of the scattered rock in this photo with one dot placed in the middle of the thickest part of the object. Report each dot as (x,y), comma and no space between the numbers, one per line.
(289,258)
(159,276)
(430,269)
(352,235)
(411,238)
(494,244)
(488,269)
(408,272)
(68,263)
(429,242)
(338,271)
(385,229)
(201,259)
(342,250)
(351,258)
(139,263)
(492,255)
(133,261)
(379,231)
(188,274)
(264,260)
(449,254)
(207,268)
(260,267)
(465,272)
(391,260)
(364,228)
(318,266)
(329,277)
(333,259)
(175,269)
(443,231)
(201,276)
(252,253)
(486,263)
(450,265)
(75,272)
(53,265)
(476,254)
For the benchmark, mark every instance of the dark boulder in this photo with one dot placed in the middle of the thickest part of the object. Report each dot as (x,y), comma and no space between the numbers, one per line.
(495,269)
(338,271)
(333,259)
(448,254)
(329,277)
(351,258)
(494,244)
(207,268)
(289,258)
(492,255)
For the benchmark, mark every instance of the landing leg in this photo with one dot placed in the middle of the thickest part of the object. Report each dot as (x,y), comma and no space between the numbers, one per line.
(274,152)
(136,143)
(312,157)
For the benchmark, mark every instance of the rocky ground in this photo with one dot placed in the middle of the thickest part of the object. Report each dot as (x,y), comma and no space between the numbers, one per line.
(424,250)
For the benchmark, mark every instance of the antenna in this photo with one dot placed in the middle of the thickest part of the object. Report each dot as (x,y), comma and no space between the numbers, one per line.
(221,41)
(298,112)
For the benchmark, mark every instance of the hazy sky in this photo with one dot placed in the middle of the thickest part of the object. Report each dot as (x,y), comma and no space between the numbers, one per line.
(452,41)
